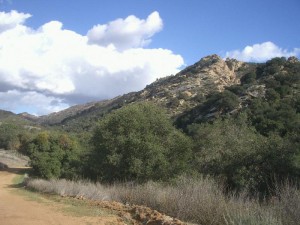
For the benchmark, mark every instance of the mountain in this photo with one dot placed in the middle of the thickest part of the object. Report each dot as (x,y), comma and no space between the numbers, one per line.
(10,117)
(177,93)
(269,96)
(190,95)
(5,114)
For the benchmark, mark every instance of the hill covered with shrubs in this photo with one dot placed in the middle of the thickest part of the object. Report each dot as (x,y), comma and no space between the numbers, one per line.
(237,122)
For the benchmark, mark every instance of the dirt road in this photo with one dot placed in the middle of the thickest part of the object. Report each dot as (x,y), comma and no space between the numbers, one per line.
(15,209)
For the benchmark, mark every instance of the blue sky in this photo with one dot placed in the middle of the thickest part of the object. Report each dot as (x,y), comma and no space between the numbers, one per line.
(167,35)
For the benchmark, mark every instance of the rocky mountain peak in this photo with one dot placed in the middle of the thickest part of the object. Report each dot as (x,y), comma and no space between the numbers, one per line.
(181,91)
(293,59)
(218,71)
(209,60)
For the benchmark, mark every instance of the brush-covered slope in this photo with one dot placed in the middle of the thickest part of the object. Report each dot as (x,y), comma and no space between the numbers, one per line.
(177,93)
(269,95)
(209,88)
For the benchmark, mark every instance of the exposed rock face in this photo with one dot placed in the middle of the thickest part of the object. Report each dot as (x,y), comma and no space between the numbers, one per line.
(219,72)
(293,59)
(176,93)
(182,91)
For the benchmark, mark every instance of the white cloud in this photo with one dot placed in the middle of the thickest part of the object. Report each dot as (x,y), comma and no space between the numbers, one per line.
(261,52)
(54,65)
(131,32)
(38,103)
(12,19)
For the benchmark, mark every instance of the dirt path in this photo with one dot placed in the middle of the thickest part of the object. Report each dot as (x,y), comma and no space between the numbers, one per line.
(16,209)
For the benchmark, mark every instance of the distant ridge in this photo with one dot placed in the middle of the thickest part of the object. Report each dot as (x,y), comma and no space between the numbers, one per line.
(176,93)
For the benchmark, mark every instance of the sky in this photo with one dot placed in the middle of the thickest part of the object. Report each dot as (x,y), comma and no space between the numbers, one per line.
(59,53)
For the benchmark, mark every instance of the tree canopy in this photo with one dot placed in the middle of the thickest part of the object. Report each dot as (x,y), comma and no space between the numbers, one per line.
(139,142)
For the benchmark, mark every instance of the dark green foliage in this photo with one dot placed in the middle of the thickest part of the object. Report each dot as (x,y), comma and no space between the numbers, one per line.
(256,153)
(9,136)
(236,89)
(12,135)
(234,152)
(53,156)
(216,104)
(224,101)
(278,112)
(276,116)
(248,78)
(138,142)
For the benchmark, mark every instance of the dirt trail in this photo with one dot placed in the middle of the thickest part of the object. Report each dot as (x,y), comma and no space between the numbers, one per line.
(16,209)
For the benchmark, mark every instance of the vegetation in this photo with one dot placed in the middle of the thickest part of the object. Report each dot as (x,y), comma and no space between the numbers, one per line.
(244,139)
(199,201)
(138,142)
(248,135)
(53,155)
(234,152)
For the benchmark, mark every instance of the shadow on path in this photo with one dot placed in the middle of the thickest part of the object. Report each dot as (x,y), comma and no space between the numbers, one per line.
(16,171)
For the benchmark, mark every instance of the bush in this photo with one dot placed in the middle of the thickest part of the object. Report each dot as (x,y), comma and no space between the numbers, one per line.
(235,153)
(53,156)
(199,201)
(248,78)
(138,142)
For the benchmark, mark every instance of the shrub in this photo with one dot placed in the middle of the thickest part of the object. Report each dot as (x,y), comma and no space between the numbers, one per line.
(198,200)
(138,142)
(235,153)
(248,78)
(53,156)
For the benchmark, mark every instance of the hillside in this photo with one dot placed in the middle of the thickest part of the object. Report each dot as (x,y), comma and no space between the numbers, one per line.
(236,123)
(269,95)
(190,95)
(177,93)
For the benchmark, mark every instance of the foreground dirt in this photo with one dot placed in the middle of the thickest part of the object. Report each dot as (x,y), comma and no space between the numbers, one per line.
(16,209)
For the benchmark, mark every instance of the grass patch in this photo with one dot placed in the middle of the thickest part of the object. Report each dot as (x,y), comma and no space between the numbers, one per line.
(199,201)
(79,208)
(70,206)
(19,179)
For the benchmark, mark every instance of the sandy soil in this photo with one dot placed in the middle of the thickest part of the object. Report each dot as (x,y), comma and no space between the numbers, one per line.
(16,209)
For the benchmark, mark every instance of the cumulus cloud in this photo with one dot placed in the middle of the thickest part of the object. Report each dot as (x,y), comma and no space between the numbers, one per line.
(12,19)
(37,103)
(50,68)
(261,52)
(131,32)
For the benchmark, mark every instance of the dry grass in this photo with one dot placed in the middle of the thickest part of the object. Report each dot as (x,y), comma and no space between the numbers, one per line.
(63,187)
(243,211)
(288,204)
(13,158)
(198,201)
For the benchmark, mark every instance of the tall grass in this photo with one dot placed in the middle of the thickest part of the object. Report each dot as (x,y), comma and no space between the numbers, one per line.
(288,204)
(199,201)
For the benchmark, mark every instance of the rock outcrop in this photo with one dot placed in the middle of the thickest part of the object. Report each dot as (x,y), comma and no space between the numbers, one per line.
(184,90)
(177,93)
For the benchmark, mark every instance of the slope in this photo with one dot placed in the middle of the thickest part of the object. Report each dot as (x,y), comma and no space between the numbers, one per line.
(177,93)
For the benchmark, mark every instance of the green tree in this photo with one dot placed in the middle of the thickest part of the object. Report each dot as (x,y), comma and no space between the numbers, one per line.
(138,142)
(9,136)
(248,78)
(53,155)
(235,153)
